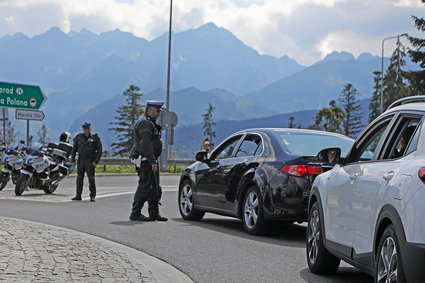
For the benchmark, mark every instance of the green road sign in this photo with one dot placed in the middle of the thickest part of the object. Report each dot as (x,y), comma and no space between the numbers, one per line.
(21,96)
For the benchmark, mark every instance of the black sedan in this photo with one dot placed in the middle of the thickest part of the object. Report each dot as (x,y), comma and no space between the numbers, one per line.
(257,175)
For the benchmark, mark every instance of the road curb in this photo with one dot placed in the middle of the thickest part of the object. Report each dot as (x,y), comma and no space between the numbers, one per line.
(159,269)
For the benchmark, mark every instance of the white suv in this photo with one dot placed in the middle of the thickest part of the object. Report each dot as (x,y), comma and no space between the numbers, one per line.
(369,210)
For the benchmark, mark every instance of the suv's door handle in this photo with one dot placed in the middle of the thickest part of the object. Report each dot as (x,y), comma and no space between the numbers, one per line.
(388,176)
(354,176)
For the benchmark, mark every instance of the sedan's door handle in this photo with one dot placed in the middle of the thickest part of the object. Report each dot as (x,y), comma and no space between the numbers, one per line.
(354,176)
(388,176)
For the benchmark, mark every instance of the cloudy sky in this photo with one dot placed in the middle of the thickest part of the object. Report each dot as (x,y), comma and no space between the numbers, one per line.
(306,30)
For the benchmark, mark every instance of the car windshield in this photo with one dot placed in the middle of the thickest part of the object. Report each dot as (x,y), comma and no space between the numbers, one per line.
(310,144)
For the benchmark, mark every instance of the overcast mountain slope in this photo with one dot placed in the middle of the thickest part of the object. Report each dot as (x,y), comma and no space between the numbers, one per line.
(82,69)
(189,104)
(211,57)
(316,85)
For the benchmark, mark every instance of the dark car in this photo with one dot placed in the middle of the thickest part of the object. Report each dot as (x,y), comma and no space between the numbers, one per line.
(257,175)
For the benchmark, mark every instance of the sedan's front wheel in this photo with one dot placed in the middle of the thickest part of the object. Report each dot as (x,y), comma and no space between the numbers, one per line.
(253,213)
(186,205)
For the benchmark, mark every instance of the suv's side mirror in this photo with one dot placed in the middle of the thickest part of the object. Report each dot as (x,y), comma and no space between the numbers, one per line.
(201,156)
(330,155)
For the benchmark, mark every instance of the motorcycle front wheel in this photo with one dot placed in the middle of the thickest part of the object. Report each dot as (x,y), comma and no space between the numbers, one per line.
(50,189)
(4,178)
(21,184)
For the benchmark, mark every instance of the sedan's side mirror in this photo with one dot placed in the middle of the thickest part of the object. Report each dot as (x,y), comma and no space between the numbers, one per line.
(201,156)
(330,155)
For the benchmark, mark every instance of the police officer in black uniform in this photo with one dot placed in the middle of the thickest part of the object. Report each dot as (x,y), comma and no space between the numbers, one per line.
(147,148)
(89,149)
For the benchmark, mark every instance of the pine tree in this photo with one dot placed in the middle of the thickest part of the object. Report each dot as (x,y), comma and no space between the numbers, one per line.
(350,103)
(375,102)
(291,123)
(329,119)
(42,134)
(417,55)
(209,124)
(395,86)
(127,116)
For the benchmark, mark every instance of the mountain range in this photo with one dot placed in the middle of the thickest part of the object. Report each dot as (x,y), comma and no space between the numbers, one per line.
(84,75)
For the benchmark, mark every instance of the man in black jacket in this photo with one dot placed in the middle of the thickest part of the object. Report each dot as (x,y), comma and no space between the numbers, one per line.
(89,149)
(147,147)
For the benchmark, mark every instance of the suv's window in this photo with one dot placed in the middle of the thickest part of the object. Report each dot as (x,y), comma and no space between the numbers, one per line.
(226,149)
(250,146)
(413,145)
(402,137)
(368,152)
(366,146)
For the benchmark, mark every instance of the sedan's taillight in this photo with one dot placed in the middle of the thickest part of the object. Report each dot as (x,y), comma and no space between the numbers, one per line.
(421,174)
(301,170)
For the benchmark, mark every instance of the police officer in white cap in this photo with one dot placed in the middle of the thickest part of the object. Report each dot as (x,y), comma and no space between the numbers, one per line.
(147,147)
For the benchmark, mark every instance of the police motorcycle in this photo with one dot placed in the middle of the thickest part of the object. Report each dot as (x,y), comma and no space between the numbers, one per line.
(44,168)
(12,157)
(61,166)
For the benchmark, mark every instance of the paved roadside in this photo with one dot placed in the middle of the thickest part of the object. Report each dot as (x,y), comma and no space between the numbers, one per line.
(31,251)
(107,185)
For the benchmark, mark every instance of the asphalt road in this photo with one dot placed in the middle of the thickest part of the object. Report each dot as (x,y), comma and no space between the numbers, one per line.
(215,249)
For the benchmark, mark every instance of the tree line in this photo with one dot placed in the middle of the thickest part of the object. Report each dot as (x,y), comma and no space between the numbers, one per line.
(344,115)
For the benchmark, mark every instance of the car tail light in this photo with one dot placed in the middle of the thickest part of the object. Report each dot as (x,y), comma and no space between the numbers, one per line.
(301,170)
(421,174)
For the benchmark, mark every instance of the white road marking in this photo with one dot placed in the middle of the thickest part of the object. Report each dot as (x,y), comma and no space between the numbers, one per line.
(115,194)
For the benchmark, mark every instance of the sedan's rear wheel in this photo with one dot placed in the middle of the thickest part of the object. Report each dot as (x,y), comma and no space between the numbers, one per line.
(253,213)
(319,260)
(186,205)
(388,265)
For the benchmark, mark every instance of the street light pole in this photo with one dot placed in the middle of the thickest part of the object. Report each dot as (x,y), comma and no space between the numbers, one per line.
(165,155)
(167,105)
(382,67)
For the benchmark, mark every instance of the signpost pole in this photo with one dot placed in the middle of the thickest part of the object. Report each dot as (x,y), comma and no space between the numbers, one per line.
(4,126)
(28,132)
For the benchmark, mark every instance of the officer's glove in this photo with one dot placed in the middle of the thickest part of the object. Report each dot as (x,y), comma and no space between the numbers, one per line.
(136,161)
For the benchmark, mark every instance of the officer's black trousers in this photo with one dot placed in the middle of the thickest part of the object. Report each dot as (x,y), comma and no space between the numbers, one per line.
(147,190)
(85,166)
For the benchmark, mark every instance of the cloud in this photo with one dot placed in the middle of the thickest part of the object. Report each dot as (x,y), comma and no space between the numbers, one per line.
(302,29)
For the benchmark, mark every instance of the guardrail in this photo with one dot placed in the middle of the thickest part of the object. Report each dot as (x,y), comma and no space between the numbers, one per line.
(126,161)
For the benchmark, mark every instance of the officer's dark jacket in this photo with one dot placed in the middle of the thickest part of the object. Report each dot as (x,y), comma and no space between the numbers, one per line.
(147,139)
(88,148)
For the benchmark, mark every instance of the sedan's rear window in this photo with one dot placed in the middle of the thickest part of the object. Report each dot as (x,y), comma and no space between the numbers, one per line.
(310,144)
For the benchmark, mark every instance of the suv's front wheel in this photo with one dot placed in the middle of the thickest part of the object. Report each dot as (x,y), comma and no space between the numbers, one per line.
(319,260)
(388,265)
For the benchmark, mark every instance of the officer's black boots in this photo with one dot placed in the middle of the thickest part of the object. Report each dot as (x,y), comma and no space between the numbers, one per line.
(157,217)
(139,218)
(77,197)
(92,200)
